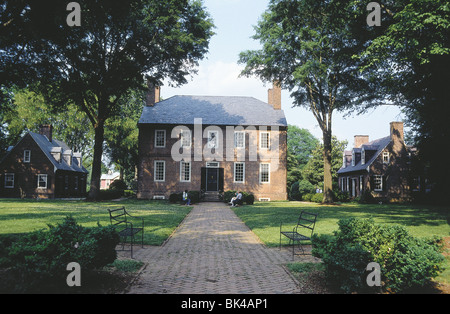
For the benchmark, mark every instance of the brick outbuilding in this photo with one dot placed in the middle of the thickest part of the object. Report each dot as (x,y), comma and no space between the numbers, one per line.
(39,166)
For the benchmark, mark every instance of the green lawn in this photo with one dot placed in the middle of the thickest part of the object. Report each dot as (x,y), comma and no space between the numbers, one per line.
(21,216)
(264,218)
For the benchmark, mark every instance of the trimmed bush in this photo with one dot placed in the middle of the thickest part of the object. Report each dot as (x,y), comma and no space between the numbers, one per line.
(176,197)
(406,262)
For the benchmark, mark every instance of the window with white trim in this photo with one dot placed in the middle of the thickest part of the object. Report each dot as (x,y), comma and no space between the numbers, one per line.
(42,181)
(264,140)
(378,183)
(9,180)
(239,172)
(160,170)
(185,171)
(26,155)
(185,138)
(264,173)
(361,184)
(213,139)
(239,139)
(385,157)
(160,138)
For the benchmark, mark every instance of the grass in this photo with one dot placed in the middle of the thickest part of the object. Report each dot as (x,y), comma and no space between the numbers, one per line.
(264,219)
(21,216)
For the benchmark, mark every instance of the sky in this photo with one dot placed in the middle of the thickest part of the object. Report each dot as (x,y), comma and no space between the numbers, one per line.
(218,75)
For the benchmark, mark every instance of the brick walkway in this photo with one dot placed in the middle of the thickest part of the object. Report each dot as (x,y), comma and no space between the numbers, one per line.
(213,252)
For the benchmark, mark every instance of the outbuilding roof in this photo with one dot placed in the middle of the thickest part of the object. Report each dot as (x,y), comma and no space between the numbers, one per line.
(376,145)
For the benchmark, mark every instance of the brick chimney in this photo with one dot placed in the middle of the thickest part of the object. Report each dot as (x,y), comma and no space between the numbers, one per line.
(396,131)
(153,94)
(360,140)
(47,130)
(274,96)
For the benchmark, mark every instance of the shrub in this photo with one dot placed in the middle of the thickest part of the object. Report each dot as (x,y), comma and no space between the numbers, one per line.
(40,258)
(340,196)
(305,187)
(110,194)
(248,198)
(118,185)
(317,198)
(194,196)
(405,261)
(307,197)
(228,195)
(175,197)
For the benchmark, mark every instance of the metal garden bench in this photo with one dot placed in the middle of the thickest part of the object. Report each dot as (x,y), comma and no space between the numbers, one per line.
(303,231)
(119,218)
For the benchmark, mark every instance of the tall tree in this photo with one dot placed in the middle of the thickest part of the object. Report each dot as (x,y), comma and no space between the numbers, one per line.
(307,47)
(118,45)
(409,55)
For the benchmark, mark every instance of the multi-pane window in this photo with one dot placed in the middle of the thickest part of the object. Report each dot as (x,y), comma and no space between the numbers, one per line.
(239,139)
(213,141)
(361,184)
(385,157)
(160,138)
(9,180)
(185,171)
(185,138)
(42,181)
(264,140)
(27,156)
(239,172)
(75,186)
(264,173)
(160,170)
(378,183)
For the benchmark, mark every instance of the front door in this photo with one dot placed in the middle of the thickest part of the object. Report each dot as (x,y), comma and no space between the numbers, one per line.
(212,179)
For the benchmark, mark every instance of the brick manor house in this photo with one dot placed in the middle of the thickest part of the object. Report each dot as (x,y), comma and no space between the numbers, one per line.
(212,144)
(381,167)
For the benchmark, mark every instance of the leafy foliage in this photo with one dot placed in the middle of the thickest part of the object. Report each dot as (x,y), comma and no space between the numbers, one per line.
(40,258)
(405,261)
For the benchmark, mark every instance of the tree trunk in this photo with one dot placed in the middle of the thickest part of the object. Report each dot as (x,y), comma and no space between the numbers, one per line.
(327,177)
(94,192)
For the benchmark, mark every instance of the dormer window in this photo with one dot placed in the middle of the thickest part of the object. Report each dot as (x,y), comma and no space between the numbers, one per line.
(353,158)
(67,156)
(363,156)
(27,156)
(344,163)
(386,158)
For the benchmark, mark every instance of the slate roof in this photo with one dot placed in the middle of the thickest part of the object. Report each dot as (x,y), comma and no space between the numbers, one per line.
(213,110)
(376,145)
(55,145)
